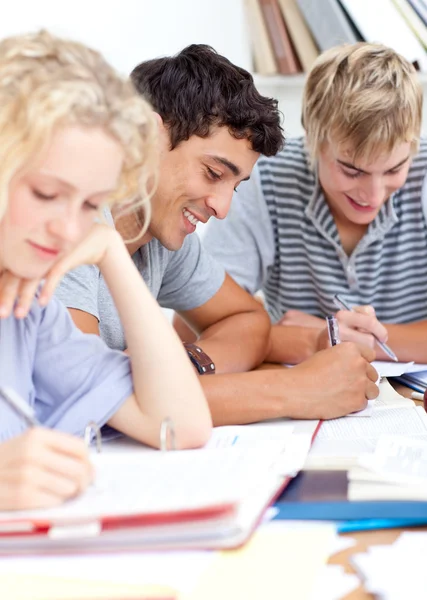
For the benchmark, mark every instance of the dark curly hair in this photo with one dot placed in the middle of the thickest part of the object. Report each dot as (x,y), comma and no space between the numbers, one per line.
(198,88)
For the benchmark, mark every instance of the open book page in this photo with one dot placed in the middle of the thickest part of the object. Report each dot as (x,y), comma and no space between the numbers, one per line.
(250,435)
(295,445)
(388,397)
(386,368)
(397,469)
(340,441)
(154,482)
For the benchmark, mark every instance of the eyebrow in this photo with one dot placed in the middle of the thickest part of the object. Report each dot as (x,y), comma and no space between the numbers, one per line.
(69,185)
(230,166)
(57,179)
(350,166)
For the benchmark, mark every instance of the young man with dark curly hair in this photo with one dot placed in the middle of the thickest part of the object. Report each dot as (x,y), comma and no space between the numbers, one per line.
(213,126)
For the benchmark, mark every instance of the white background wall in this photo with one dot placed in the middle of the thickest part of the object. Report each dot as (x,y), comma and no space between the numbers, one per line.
(130,31)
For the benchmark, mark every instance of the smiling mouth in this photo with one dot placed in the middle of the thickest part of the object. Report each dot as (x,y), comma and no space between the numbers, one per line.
(361,204)
(190,217)
(50,251)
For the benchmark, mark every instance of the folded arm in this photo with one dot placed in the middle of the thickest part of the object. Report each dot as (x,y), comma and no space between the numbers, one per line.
(232,328)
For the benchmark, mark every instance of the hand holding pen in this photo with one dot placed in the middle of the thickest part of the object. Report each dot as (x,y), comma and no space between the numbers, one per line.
(40,467)
(355,316)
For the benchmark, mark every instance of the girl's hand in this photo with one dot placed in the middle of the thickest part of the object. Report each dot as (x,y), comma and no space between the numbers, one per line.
(20,293)
(42,468)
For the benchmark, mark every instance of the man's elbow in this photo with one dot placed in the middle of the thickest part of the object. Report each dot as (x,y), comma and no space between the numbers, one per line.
(262,338)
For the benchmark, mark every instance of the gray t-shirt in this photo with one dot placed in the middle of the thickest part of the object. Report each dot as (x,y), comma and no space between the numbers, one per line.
(68,377)
(180,280)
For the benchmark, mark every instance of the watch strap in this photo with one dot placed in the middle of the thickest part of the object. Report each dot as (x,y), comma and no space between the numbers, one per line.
(203,363)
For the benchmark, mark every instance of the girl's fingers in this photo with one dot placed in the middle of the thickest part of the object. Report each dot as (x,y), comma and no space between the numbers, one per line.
(50,284)
(9,287)
(26,294)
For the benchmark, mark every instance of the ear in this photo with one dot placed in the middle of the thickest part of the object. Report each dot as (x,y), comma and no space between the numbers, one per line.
(159,120)
(163,133)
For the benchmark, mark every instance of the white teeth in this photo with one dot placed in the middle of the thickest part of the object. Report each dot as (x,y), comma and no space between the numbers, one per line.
(190,217)
(360,203)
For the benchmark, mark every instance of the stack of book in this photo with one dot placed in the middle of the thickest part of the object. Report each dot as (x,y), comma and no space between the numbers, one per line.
(288,35)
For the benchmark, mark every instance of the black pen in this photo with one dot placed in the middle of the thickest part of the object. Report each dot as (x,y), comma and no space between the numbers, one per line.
(342,304)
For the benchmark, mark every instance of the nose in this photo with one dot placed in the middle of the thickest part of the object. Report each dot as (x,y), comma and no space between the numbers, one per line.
(373,191)
(219,203)
(66,226)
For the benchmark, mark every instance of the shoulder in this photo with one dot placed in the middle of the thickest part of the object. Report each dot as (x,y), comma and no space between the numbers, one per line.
(290,166)
(419,162)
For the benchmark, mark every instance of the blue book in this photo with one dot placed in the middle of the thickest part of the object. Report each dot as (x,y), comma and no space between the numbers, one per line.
(322,495)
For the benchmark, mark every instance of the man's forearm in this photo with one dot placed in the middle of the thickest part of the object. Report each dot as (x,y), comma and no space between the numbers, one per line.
(408,342)
(241,398)
(237,343)
(292,344)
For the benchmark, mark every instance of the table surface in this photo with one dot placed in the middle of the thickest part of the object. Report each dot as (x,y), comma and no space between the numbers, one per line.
(365,539)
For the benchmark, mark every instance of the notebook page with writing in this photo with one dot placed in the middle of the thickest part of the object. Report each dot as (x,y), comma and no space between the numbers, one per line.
(340,441)
(154,482)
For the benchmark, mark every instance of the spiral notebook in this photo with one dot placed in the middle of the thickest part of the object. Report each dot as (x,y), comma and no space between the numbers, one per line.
(154,500)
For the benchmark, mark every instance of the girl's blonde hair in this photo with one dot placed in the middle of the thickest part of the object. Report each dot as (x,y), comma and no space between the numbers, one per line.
(364,96)
(47,82)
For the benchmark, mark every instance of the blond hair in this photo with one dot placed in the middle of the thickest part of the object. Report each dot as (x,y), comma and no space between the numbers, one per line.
(363,96)
(47,82)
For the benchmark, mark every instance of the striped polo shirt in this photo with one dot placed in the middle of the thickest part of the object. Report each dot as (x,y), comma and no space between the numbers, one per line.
(301,263)
(387,269)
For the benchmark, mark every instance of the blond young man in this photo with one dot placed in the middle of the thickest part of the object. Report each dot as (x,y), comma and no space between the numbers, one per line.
(340,211)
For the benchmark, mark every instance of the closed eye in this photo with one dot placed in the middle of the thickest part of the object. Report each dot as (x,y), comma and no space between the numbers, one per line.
(42,196)
(352,174)
(91,206)
(213,174)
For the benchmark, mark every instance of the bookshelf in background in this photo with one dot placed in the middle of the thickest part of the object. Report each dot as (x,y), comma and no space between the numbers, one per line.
(288,35)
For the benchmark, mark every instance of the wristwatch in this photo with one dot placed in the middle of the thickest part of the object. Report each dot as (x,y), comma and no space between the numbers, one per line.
(202,362)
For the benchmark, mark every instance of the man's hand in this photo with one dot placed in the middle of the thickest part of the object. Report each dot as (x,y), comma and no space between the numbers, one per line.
(93,249)
(358,325)
(42,468)
(298,318)
(334,382)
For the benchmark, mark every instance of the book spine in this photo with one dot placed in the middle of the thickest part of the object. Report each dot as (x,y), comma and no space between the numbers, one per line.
(287,60)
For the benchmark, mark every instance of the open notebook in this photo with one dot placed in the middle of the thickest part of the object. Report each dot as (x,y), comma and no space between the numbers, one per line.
(341,441)
(209,498)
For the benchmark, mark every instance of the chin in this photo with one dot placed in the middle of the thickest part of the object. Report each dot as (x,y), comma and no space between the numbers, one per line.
(172,243)
(25,272)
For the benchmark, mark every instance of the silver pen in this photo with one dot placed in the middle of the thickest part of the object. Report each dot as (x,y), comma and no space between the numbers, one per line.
(19,405)
(342,304)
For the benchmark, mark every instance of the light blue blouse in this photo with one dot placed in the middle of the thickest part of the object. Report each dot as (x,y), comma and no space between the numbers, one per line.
(68,377)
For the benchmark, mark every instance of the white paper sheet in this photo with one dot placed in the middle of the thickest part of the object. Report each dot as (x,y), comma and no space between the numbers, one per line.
(341,441)
(154,482)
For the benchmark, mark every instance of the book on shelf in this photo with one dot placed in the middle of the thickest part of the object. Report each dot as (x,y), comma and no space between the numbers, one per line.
(386,26)
(262,50)
(413,20)
(299,33)
(420,7)
(328,23)
(286,58)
